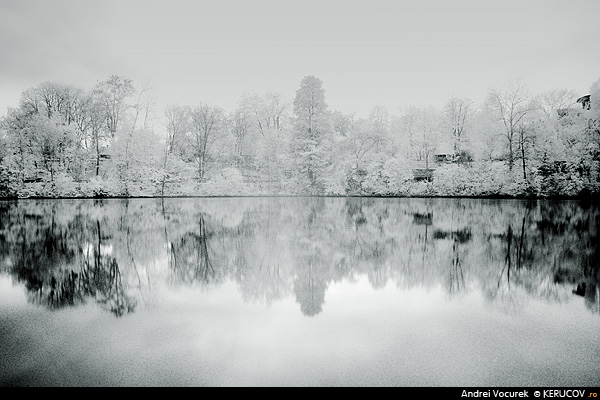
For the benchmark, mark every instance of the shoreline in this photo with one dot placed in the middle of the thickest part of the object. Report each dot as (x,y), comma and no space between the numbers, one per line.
(593,196)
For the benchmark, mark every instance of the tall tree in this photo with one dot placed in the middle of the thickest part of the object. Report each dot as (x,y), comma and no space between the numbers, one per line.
(362,139)
(380,117)
(89,118)
(311,142)
(96,114)
(113,93)
(427,134)
(458,113)
(206,127)
(593,126)
(239,126)
(510,105)
(380,120)
(177,120)
(141,106)
(342,123)
(525,140)
(556,102)
(420,128)
(310,108)
(268,112)
(594,121)
(177,124)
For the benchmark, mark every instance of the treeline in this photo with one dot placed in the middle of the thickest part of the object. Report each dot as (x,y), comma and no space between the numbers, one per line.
(67,141)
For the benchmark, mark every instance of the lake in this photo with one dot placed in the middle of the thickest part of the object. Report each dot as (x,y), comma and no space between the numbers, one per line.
(299,292)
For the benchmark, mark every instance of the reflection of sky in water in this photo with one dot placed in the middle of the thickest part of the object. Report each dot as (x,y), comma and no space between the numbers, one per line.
(389,336)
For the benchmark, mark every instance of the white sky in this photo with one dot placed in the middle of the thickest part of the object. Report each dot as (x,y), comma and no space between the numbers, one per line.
(388,53)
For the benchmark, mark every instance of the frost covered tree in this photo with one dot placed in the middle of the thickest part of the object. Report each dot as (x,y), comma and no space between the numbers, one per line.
(555,102)
(206,128)
(239,125)
(177,123)
(510,105)
(113,93)
(310,109)
(311,134)
(458,113)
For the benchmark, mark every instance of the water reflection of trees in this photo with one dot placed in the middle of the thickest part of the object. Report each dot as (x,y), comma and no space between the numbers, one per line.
(192,256)
(114,251)
(62,262)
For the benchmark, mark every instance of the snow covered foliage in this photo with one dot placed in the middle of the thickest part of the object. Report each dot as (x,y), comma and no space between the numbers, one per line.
(66,141)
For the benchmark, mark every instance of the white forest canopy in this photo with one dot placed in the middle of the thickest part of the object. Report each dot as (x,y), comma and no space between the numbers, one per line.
(62,140)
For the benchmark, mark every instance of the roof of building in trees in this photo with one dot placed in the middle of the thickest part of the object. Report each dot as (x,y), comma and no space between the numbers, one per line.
(583,98)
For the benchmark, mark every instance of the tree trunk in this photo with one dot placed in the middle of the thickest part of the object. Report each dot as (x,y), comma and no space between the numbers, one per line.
(523,158)
(164,177)
(510,153)
(97,158)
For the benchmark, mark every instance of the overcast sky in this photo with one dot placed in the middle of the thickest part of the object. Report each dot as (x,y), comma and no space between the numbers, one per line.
(367,53)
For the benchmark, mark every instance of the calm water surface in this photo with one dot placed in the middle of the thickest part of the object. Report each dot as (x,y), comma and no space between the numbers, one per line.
(299,291)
